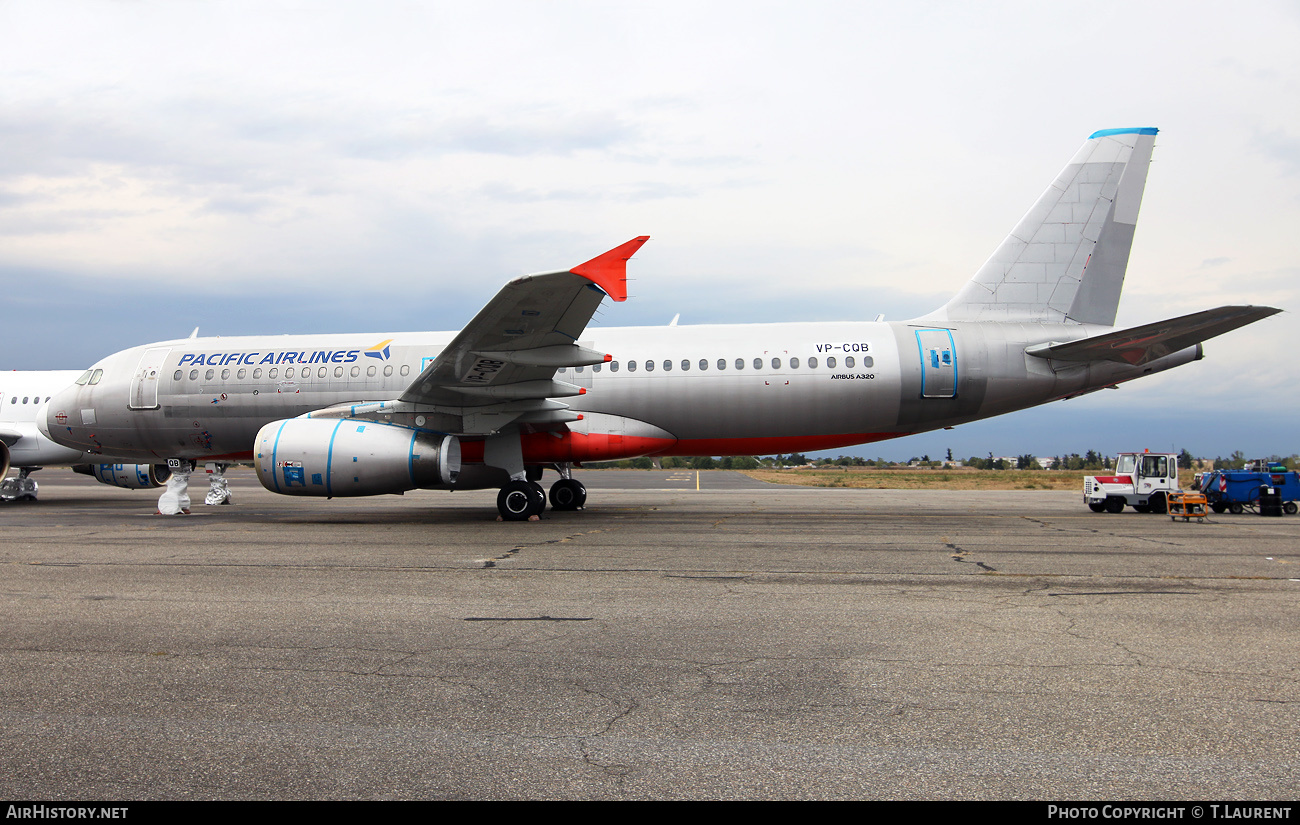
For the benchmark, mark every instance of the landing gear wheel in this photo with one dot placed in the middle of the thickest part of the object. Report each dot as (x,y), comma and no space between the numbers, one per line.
(539,498)
(1290,508)
(568,494)
(1236,509)
(520,499)
(1097,506)
(1114,505)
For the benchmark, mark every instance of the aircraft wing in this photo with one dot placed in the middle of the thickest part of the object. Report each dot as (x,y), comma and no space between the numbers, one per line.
(507,355)
(1139,345)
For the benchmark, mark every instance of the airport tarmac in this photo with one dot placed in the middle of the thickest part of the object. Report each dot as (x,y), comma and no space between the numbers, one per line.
(740,641)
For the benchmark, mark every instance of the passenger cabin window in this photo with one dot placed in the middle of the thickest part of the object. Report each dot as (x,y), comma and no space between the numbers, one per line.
(388,370)
(406,369)
(225,375)
(613,366)
(257,372)
(704,364)
(794,363)
(848,361)
(288,372)
(596,367)
(758,363)
(242,372)
(868,361)
(668,365)
(649,366)
(179,374)
(812,362)
(830,362)
(631,366)
(776,363)
(370,372)
(207,376)
(194,375)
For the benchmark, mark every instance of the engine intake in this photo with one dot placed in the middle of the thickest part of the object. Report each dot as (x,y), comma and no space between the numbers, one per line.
(351,457)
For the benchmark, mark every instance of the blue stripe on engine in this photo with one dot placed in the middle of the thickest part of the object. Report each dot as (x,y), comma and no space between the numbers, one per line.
(329,458)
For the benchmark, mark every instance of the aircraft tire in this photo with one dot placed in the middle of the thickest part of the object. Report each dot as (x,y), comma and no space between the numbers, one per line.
(517,501)
(539,498)
(568,494)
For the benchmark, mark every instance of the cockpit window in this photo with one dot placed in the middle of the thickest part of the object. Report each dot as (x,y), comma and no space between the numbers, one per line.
(95,376)
(85,376)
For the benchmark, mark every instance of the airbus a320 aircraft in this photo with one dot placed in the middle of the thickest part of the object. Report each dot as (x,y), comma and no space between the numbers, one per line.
(524,387)
(23,395)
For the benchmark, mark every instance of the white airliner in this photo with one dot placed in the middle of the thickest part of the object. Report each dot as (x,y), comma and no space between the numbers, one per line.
(524,386)
(22,444)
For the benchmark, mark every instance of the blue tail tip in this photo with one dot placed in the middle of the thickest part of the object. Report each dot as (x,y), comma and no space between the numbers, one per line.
(1136,130)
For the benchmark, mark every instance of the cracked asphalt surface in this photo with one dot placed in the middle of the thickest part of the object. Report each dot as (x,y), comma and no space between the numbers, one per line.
(739,642)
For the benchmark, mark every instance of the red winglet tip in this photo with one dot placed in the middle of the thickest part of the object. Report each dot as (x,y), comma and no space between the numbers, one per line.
(582,390)
(608,358)
(609,271)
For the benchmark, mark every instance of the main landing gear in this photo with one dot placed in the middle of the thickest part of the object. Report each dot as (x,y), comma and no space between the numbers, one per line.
(524,499)
(20,487)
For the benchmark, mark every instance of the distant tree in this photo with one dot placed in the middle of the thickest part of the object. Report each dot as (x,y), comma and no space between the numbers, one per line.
(1185,459)
(1026,462)
(642,463)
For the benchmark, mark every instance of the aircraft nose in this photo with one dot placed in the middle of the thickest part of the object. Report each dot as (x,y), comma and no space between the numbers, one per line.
(54,409)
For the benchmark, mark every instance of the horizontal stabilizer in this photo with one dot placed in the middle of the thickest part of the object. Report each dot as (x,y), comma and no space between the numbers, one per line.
(1139,345)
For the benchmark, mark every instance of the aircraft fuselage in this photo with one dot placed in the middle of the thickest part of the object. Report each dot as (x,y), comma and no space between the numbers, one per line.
(681,390)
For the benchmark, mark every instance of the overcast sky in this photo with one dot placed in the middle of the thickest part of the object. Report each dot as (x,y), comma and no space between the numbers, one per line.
(329,167)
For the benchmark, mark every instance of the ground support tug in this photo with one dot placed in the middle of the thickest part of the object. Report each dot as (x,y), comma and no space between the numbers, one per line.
(1143,481)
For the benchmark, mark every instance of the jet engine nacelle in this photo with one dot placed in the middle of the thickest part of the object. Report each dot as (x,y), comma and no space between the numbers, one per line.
(4,459)
(351,457)
(130,476)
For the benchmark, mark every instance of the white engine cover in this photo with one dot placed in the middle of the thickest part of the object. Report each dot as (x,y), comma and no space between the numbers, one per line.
(129,476)
(351,457)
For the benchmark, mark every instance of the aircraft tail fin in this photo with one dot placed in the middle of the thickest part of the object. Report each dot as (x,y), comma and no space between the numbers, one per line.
(1065,260)
(1140,345)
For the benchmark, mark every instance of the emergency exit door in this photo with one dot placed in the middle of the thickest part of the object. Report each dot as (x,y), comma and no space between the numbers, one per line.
(938,363)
